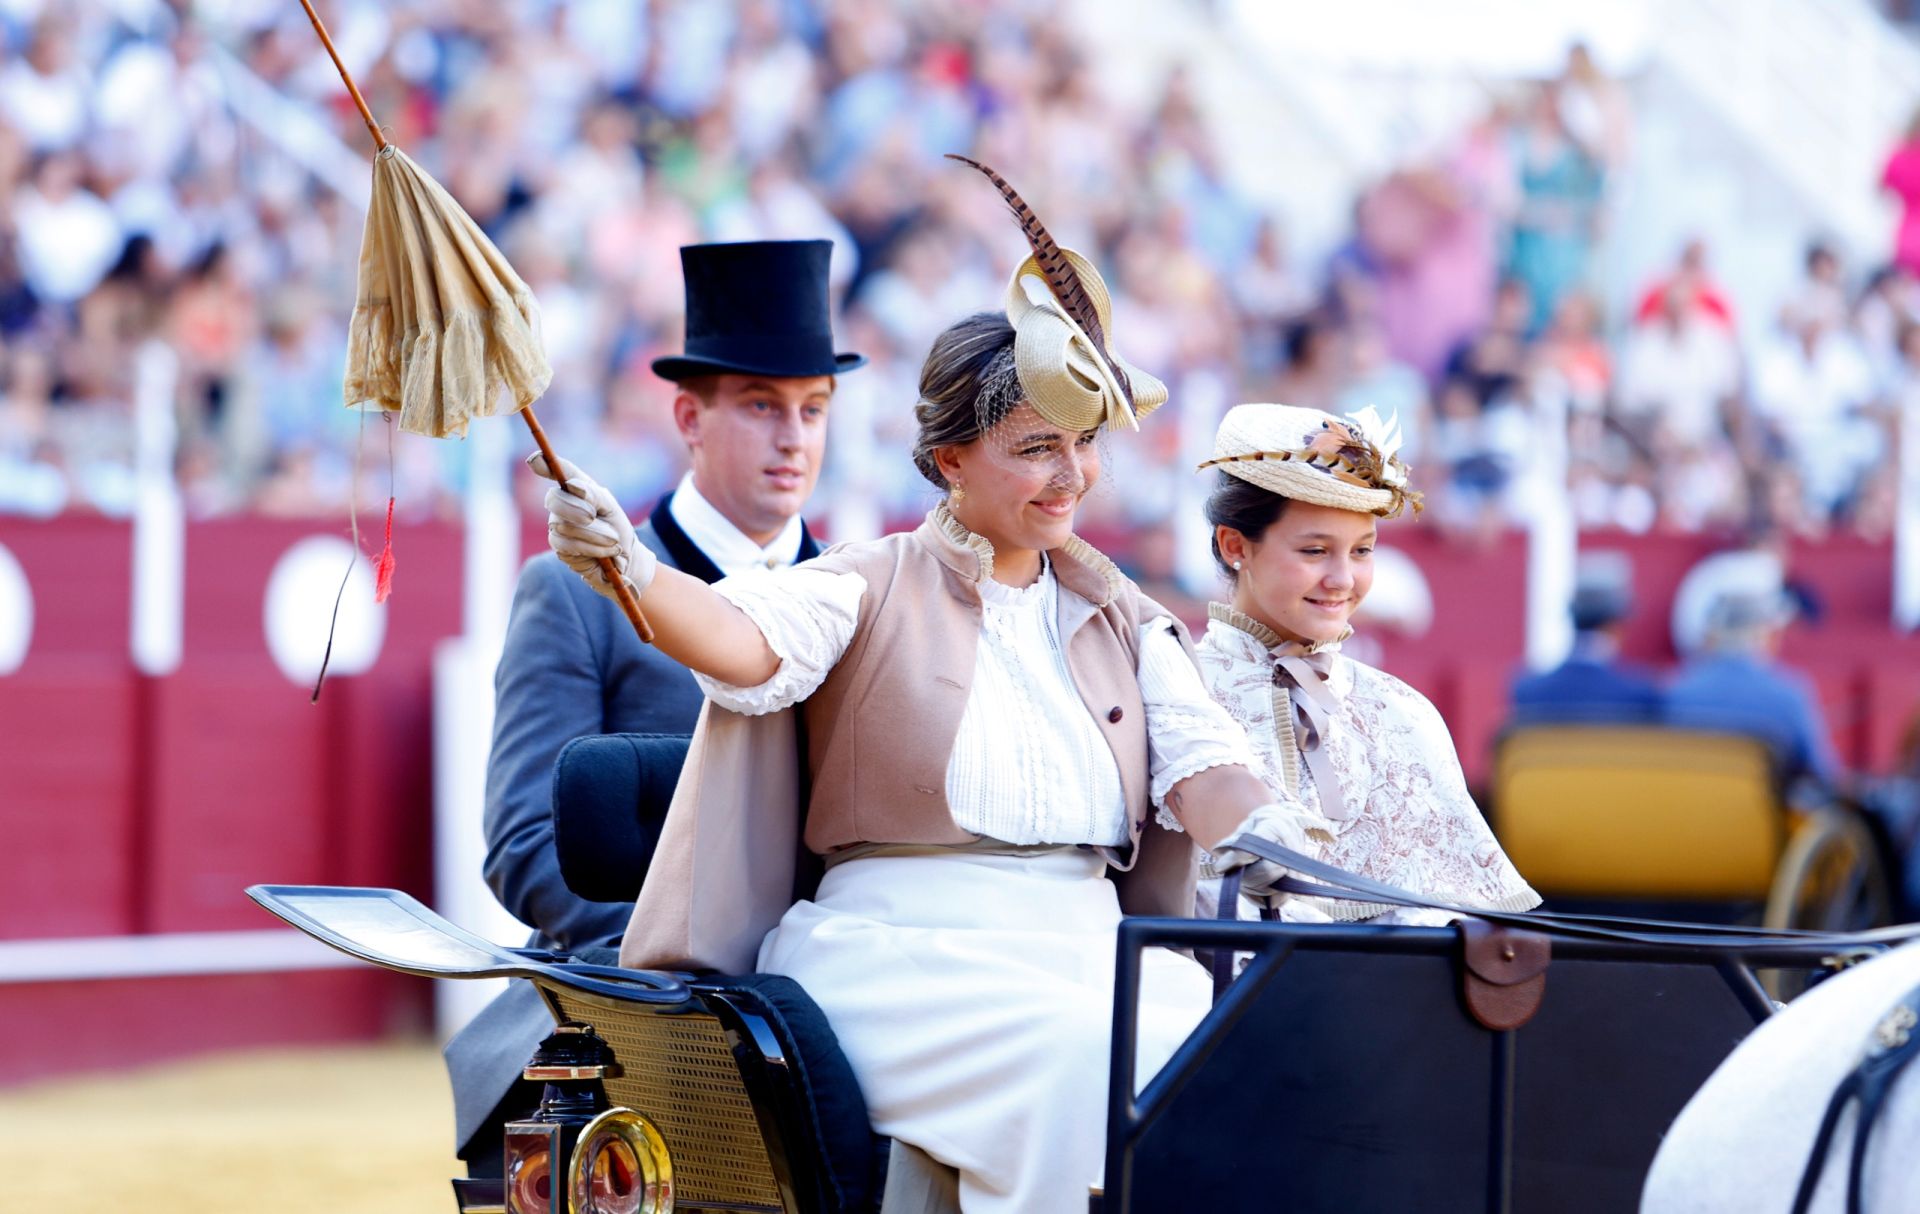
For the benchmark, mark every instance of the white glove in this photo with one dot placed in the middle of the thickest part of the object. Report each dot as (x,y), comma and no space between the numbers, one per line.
(588,524)
(1274,823)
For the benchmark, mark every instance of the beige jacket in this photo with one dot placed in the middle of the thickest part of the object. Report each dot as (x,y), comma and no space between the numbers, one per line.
(879,733)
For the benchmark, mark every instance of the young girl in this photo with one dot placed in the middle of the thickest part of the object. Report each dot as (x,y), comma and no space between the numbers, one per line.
(1363,758)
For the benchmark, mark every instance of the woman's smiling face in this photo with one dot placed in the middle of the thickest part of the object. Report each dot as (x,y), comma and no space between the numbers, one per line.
(1305,576)
(1020,482)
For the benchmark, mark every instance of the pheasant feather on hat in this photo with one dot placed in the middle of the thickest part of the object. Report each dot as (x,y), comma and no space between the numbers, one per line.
(1063,344)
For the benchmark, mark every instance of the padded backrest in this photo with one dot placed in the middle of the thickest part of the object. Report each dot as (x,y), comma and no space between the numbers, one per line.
(1630,811)
(610,797)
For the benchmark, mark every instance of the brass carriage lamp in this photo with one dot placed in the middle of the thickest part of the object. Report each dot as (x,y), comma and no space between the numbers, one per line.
(576,1154)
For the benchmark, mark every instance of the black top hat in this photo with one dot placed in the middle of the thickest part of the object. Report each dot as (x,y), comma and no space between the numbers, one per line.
(757,308)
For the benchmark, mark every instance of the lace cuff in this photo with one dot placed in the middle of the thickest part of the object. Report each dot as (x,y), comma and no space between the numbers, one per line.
(807,616)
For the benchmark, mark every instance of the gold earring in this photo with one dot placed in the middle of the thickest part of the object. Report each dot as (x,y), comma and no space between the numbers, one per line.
(957,494)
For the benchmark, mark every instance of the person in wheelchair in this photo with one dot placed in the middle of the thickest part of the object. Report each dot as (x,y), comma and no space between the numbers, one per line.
(987,714)
(1363,758)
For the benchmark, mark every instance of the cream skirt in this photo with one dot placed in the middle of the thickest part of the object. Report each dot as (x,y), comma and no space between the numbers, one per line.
(973,995)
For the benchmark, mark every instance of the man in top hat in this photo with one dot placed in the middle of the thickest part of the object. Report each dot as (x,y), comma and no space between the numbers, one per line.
(754,386)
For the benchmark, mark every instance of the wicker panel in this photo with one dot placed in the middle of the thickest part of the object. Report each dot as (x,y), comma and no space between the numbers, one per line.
(680,1072)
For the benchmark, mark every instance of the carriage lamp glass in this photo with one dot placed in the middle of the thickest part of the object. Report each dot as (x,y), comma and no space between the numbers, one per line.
(572,1063)
(531,1149)
(620,1166)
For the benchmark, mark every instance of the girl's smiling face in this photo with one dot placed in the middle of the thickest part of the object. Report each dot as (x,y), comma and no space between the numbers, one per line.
(1305,575)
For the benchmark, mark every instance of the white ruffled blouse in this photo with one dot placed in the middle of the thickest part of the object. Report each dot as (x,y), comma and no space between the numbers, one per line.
(1409,820)
(1029,764)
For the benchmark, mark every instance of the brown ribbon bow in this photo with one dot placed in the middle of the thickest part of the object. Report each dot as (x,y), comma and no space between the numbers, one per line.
(1304,675)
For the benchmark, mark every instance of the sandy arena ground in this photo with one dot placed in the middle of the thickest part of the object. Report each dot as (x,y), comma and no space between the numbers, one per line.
(362,1129)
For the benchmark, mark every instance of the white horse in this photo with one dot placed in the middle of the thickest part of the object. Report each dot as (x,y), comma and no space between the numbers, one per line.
(1743,1141)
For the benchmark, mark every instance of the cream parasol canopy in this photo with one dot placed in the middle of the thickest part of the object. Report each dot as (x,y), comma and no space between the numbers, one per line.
(443,329)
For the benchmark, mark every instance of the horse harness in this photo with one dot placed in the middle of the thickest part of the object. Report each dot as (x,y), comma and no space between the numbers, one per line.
(1894,1043)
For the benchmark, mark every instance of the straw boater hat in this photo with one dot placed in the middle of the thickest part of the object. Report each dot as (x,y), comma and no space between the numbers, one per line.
(1310,456)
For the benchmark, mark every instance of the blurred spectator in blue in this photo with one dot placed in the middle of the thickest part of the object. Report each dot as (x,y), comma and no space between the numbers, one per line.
(1737,685)
(1593,684)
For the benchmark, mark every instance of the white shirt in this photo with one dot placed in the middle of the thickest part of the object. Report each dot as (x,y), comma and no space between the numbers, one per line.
(1681,378)
(1029,763)
(725,544)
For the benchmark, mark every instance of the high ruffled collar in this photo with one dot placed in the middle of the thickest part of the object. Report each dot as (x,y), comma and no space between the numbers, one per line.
(1078,565)
(953,529)
(1231,617)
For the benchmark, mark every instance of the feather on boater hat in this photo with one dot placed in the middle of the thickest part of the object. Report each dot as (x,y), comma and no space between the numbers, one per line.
(1063,344)
(1310,456)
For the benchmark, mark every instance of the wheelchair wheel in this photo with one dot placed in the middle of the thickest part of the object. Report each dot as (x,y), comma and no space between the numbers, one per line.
(1831,878)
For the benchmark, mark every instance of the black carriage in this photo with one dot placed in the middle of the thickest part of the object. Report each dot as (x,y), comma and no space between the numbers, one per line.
(1349,1067)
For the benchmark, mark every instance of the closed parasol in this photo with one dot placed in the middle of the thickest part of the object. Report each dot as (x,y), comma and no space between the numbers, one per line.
(443,329)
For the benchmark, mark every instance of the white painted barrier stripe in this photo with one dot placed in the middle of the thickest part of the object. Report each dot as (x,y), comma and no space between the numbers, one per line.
(170,955)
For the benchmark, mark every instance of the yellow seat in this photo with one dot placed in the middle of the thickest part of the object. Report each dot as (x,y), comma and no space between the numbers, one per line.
(1639,812)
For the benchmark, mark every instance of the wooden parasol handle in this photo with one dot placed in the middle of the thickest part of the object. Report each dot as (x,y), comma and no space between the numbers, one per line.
(622,589)
(379,140)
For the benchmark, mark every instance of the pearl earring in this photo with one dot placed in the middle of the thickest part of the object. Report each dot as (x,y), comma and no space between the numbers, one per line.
(1236,566)
(957,494)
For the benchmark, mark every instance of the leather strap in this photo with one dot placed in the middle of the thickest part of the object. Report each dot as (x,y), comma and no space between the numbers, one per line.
(1894,1044)
(1220,960)
(1352,887)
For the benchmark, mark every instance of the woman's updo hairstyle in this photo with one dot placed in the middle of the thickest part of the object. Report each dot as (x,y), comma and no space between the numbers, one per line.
(967,384)
(1246,508)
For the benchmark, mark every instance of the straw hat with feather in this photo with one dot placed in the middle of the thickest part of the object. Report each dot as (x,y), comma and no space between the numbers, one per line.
(1311,456)
(1066,376)
(1062,350)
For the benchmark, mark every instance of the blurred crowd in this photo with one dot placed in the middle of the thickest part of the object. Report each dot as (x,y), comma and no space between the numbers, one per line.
(593,138)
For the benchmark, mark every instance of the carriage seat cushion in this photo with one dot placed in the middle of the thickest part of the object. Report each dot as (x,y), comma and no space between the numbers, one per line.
(853,1158)
(610,798)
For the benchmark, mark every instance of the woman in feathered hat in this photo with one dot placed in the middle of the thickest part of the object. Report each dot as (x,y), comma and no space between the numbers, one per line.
(992,714)
(1356,753)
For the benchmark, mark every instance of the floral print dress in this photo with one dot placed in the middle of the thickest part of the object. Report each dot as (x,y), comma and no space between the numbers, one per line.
(1399,811)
